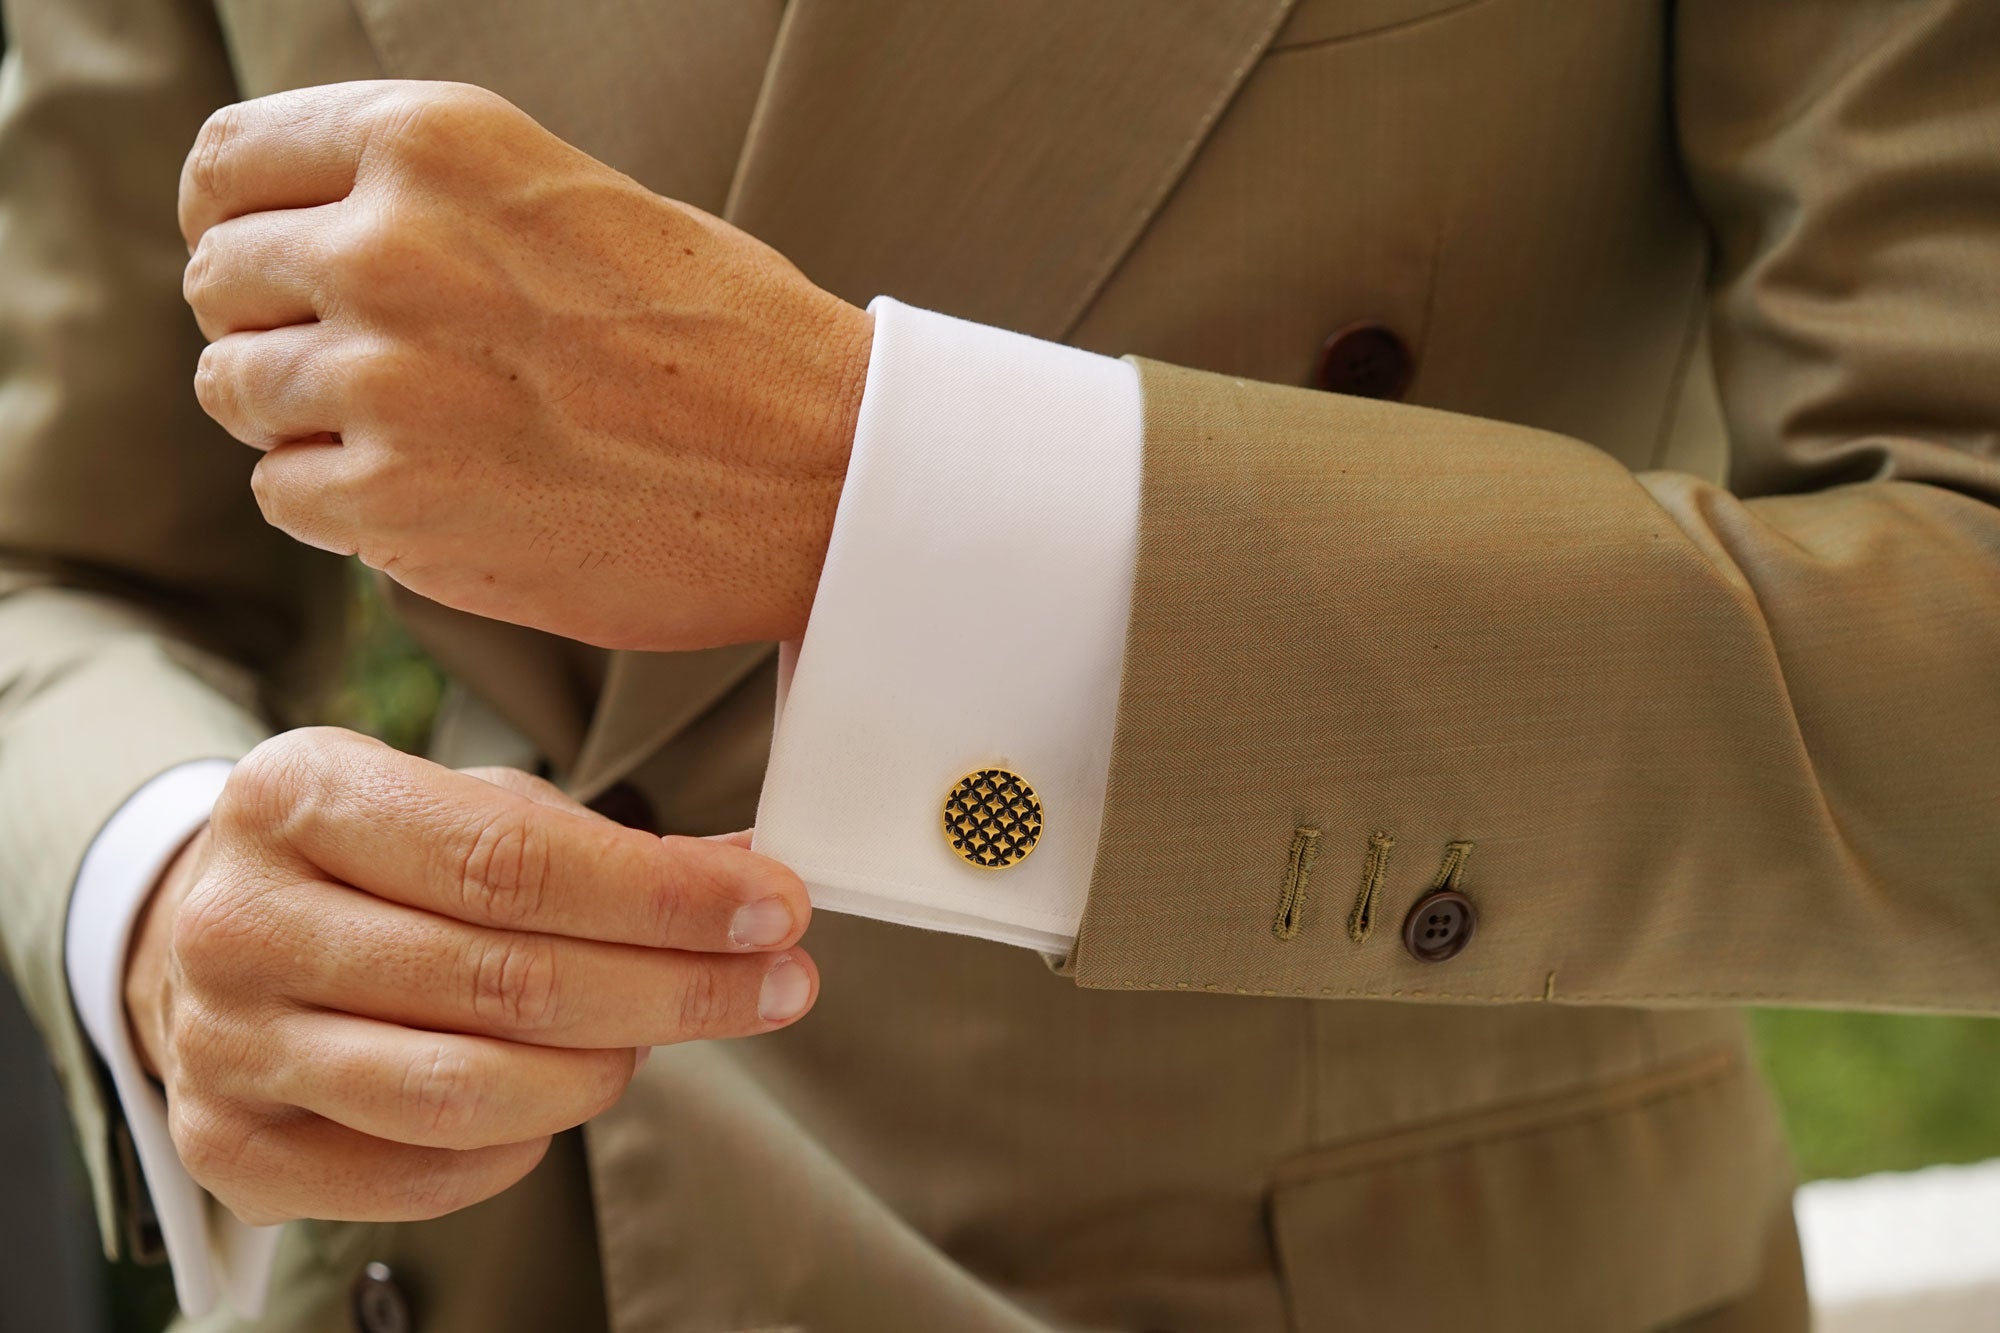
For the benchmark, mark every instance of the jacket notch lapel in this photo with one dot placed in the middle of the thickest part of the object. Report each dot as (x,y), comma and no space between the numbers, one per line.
(991,161)
(661,91)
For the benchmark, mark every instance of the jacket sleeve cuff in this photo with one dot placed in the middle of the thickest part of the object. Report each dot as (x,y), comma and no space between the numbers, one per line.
(211,1252)
(971,615)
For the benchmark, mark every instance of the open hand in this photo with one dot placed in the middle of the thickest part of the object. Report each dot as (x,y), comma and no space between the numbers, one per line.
(510,377)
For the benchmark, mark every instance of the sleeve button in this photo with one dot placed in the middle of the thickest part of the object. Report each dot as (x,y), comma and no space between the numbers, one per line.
(1365,361)
(377,1302)
(1439,926)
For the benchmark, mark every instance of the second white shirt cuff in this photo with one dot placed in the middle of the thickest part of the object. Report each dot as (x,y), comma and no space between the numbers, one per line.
(971,615)
(213,1255)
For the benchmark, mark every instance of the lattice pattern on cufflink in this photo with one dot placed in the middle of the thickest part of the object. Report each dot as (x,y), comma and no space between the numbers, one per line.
(992,818)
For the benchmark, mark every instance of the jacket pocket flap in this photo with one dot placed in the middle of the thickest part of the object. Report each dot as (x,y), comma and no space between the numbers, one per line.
(1619,1208)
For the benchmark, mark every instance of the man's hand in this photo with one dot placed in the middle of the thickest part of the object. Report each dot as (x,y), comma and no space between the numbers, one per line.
(374,987)
(512,378)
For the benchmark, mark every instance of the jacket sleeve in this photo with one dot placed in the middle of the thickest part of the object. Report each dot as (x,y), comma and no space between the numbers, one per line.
(147,614)
(1703,745)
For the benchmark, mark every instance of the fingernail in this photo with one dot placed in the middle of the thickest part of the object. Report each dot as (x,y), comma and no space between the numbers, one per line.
(761,924)
(786,989)
(640,1054)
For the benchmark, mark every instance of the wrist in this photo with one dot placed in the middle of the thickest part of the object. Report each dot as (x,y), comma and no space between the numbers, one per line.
(845,343)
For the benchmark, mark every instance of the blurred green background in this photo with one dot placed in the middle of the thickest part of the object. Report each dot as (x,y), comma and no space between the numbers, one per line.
(1861,1092)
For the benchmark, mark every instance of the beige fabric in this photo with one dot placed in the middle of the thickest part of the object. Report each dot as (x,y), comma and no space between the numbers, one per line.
(1708,747)
(1705,745)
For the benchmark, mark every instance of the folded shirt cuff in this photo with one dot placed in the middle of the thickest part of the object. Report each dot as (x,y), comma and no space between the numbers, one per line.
(212,1254)
(970,616)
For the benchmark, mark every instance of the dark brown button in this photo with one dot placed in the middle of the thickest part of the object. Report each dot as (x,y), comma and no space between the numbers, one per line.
(1366,361)
(1439,927)
(625,804)
(378,1304)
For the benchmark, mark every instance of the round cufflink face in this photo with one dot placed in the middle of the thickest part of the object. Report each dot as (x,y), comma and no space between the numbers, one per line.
(992,818)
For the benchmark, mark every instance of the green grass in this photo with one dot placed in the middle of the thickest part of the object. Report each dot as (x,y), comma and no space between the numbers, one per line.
(1860,1092)
(389,688)
(1883,1092)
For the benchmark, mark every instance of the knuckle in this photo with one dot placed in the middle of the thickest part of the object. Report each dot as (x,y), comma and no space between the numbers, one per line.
(205,924)
(220,939)
(188,1044)
(704,1002)
(277,792)
(207,162)
(615,1076)
(278,501)
(215,385)
(207,1147)
(374,376)
(198,278)
(441,1094)
(267,784)
(379,490)
(409,121)
(505,874)
(472,97)
(514,983)
(434,1190)
(667,906)
(368,254)
(428,115)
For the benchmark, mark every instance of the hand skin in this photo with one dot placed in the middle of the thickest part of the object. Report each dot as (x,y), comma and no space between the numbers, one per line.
(512,378)
(375,987)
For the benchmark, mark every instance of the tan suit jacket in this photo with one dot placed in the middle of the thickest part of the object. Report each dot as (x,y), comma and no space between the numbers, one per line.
(1672,588)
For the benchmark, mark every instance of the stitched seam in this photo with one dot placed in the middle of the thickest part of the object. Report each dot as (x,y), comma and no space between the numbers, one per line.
(1172,177)
(1616,1098)
(1380,30)
(1969,1004)
(1361,920)
(1452,871)
(1298,874)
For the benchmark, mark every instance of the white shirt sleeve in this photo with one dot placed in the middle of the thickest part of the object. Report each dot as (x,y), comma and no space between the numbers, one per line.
(211,1252)
(971,615)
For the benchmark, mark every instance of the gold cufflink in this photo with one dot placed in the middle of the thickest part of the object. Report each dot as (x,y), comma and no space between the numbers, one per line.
(992,818)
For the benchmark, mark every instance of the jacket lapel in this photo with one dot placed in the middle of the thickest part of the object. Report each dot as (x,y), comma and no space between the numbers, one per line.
(648,698)
(992,161)
(662,91)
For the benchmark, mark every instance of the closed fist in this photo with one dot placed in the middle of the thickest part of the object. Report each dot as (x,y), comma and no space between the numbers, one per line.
(512,378)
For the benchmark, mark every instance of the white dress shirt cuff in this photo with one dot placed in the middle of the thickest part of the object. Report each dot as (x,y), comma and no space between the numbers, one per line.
(211,1252)
(971,614)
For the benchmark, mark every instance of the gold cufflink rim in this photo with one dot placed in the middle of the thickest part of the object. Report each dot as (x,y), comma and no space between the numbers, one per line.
(964,784)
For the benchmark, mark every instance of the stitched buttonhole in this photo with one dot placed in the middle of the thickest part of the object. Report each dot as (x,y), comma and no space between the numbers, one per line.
(1298,873)
(1361,920)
